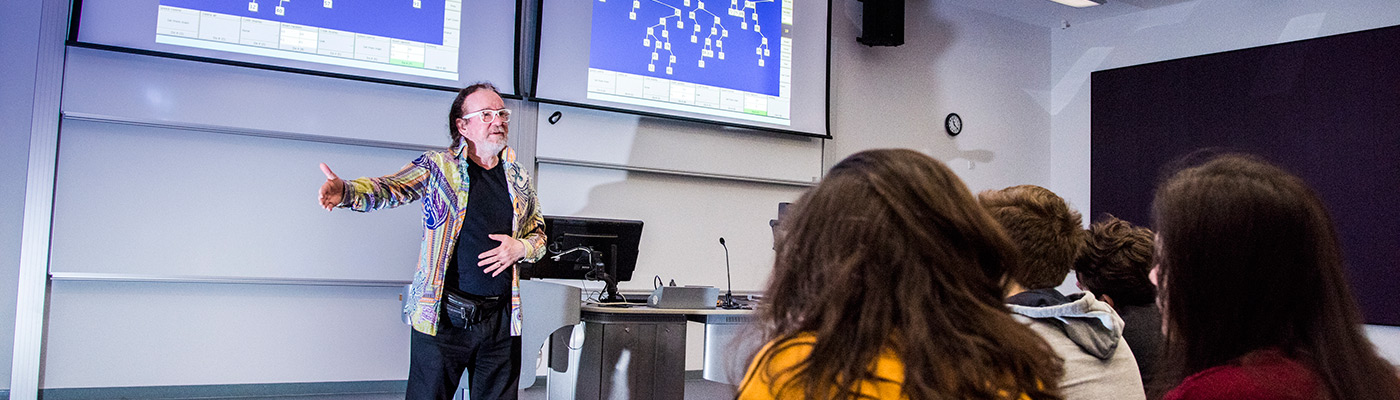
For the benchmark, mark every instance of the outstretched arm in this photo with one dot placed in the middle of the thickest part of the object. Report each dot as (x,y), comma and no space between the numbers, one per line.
(367,194)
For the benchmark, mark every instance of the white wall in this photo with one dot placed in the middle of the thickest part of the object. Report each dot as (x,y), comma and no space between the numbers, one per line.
(990,70)
(1387,341)
(1183,30)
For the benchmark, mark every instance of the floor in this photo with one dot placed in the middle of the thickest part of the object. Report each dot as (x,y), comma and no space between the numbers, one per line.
(695,389)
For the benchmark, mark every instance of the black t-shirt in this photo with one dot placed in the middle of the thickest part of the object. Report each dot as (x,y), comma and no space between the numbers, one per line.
(489,211)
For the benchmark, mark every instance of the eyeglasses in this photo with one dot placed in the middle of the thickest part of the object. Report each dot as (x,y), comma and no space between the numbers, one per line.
(487,116)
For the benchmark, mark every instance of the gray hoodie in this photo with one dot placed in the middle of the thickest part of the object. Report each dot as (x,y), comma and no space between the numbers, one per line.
(1088,335)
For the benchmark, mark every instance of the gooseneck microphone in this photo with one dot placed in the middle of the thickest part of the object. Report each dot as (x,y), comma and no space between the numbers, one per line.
(728,302)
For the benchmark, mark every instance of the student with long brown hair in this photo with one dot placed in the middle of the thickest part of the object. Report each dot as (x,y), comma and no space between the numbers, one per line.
(1256,303)
(886,285)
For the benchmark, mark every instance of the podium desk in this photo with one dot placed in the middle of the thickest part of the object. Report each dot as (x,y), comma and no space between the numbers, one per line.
(639,352)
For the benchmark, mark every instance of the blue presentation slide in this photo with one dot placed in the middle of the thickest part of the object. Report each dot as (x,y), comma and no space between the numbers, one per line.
(643,37)
(396,19)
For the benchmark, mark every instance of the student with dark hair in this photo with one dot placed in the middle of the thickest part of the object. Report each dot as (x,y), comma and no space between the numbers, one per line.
(1114,265)
(886,286)
(1257,304)
(1085,332)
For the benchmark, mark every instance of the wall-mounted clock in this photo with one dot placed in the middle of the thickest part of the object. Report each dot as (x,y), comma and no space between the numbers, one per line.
(953,124)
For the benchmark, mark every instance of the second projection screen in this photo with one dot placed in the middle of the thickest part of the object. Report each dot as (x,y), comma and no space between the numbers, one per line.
(729,61)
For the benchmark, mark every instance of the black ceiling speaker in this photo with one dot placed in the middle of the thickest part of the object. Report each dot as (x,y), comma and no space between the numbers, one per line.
(882,23)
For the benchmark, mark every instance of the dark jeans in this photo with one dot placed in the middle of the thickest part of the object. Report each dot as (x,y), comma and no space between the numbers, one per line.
(486,350)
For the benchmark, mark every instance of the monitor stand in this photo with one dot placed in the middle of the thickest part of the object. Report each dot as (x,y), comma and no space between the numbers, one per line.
(609,278)
(610,291)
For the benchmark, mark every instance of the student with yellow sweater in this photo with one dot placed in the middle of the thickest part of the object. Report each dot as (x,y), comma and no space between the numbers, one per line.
(886,285)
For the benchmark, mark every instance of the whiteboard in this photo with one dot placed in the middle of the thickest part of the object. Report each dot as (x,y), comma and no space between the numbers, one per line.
(163,334)
(630,140)
(168,202)
(144,88)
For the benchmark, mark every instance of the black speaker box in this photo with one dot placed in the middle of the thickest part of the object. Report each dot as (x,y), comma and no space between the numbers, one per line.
(882,23)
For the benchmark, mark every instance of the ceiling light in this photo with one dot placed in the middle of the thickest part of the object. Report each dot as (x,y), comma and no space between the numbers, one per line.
(1079,3)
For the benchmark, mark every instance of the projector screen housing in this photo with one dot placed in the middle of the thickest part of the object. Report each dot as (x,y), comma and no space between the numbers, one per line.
(759,65)
(421,43)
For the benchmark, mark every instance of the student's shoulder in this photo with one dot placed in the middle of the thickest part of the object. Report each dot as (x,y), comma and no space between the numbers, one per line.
(788,351)
(1222,382)
(770,367)
(1260,376)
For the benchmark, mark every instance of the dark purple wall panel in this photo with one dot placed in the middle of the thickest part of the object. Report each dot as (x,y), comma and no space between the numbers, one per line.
(1326,109)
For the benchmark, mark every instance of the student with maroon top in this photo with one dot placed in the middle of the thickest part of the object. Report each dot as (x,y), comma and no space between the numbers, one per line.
(1255,302)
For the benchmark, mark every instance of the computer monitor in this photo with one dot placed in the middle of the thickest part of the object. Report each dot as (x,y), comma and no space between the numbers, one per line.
(589,248)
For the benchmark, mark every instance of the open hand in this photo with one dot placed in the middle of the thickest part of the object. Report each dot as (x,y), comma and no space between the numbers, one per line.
(332,191)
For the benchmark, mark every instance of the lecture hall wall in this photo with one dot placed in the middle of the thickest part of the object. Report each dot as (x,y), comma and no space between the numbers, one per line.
(1021,88)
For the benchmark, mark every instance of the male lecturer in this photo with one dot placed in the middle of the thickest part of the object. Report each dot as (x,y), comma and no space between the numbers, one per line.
(465,297)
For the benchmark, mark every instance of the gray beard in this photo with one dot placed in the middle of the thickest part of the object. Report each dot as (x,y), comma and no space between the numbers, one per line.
(493,148)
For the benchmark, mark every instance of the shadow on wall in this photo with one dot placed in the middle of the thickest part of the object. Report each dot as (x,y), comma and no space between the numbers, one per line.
(684,215)
(871,109)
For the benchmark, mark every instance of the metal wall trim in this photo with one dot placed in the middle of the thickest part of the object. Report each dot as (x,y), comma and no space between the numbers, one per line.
(26,366)
(236,280)
(79,116)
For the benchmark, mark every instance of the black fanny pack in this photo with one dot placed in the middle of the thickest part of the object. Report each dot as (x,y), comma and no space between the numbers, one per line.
(465,309)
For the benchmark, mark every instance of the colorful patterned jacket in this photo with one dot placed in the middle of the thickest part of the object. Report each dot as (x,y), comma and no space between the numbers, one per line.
(439,178)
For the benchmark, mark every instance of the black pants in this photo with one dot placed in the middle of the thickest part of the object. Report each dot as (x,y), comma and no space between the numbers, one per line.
(486,350)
